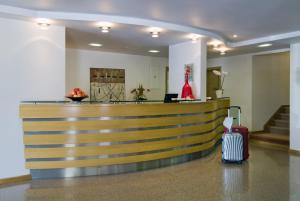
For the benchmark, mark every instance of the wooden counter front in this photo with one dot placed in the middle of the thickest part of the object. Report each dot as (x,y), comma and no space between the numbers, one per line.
(62,136)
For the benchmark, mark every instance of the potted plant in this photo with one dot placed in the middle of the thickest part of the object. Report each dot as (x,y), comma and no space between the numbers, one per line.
(222,75)
(138,93)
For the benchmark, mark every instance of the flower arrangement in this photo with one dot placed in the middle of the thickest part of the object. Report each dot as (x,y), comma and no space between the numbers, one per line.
(222,75)
(138,93)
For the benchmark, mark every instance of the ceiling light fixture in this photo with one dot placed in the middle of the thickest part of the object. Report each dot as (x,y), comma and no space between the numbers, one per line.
(234,35)
(105,29)
(95,44)
(154,51)
(104,26)
(265,45)
(223,50)
(155,31)
(215,43)
(195,37)
(154,34)
(43,23)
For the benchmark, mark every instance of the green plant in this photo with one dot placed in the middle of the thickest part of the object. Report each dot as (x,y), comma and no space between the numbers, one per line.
(138,93)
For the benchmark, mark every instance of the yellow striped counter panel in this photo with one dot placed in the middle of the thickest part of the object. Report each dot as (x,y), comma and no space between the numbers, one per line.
(68,140)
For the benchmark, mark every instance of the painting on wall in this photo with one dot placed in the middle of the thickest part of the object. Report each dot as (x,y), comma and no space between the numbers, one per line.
(188,69)
(107,84)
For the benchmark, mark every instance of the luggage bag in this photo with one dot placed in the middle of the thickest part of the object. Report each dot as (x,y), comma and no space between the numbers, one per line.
(244,132)
(235,112)
(232,147)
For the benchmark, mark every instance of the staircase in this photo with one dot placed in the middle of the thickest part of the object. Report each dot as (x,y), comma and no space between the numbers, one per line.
(276,130)
(279,123)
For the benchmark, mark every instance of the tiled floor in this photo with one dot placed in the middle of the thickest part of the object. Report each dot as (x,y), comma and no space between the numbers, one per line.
(269,175)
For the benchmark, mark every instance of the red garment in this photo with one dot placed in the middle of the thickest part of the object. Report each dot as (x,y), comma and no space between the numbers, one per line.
(187,89)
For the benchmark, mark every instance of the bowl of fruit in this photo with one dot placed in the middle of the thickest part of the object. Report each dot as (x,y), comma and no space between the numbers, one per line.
(77,95)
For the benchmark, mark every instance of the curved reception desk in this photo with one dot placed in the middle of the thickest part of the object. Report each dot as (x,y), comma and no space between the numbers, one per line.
(69,139)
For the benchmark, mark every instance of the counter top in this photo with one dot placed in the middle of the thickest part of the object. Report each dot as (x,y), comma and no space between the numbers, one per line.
(109,102)
(116,102)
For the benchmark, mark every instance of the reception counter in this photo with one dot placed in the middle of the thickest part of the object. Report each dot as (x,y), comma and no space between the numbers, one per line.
(69,139)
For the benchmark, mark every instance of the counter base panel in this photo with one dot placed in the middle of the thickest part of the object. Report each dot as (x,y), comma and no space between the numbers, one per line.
(118,169)
(67,140)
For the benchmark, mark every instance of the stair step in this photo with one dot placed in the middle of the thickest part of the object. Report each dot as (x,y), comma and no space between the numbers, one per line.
(281,123)
(283,116)
(271,138)
(279,130)
(286,110)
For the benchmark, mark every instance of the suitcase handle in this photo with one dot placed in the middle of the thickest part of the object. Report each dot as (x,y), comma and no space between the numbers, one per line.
(239,113)
(238,107)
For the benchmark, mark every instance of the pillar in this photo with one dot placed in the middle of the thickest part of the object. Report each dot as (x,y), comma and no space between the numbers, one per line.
(295,97)
(188,53)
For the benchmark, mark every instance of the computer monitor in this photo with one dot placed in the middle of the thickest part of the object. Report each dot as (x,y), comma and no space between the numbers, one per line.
(169,97)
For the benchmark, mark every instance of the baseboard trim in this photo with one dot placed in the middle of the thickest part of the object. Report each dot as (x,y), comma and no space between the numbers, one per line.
(13,180)
(294,152)
(270,145)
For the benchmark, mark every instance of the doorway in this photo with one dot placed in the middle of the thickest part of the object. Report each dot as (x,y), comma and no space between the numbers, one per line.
(213,82)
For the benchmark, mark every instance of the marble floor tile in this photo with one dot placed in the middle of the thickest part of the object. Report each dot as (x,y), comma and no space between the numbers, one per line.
(269,175)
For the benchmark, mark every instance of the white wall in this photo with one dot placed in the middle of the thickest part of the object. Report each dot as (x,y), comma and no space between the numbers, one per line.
(188,53)
(32,67)
(238,83)
(271,79)
(146,70)
(295,97)
(259,83)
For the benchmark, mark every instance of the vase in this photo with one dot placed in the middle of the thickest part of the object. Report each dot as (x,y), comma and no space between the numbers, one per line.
(187,89)
(219,93)
(77,99)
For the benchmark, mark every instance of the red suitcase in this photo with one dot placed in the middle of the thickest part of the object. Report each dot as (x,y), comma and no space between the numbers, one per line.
(244,132)
(240,129)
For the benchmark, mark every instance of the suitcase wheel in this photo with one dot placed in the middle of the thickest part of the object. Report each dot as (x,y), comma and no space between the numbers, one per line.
(226,161)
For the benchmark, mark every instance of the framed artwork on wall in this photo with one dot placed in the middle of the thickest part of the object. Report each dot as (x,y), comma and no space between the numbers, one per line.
(107,84)
(188,69)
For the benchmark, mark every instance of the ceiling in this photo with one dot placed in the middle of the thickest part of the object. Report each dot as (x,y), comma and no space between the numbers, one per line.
(122,38)
(253,21)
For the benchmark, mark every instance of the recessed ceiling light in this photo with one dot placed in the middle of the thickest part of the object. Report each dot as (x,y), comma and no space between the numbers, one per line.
(222,49)
(43,23)
(154,34)
(215,43)
(95,44)
(265,45)
(195,37)
(234,35)
(154,51)
(155,31)
(104,26)
(105,29)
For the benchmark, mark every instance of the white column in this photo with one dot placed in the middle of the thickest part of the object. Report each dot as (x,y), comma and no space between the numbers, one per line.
(203,67)
(295,97)
(188,53)
(32,67)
